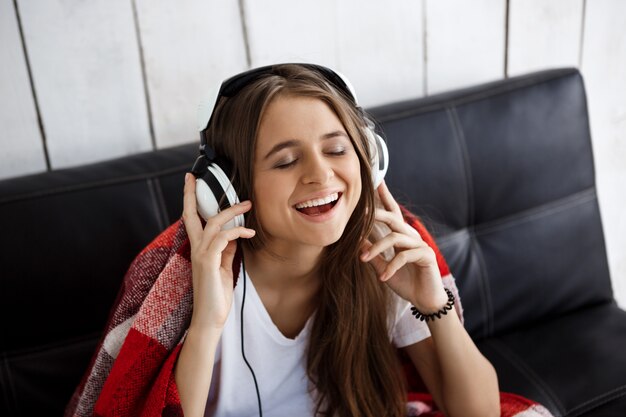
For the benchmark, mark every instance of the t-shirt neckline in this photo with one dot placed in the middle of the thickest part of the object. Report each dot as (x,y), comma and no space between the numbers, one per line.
(266,320)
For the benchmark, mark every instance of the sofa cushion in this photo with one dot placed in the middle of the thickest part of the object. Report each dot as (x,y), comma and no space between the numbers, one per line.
(571,364)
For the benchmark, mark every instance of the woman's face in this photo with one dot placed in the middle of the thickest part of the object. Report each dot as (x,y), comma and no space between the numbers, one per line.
(304,157)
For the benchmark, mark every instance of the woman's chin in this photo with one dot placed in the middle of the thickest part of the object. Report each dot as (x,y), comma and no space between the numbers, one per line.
(326,239)
(318,239)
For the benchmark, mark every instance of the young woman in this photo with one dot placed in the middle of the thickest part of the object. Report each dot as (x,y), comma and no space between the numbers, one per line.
(330,271)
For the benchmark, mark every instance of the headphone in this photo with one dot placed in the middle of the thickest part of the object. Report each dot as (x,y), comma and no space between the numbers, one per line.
(214,190)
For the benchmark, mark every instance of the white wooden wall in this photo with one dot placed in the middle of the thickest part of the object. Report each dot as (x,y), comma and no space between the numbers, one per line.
(87,81)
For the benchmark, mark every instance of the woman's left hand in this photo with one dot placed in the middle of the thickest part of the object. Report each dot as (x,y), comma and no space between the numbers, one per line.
(413,272)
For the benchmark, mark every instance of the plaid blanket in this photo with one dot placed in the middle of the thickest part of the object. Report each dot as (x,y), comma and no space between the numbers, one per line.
(132,370)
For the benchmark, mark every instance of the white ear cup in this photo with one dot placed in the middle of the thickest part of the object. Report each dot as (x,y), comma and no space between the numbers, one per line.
(206,201)
(380,157)
(227,187)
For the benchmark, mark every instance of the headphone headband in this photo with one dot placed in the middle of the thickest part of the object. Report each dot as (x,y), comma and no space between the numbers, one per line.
(233,85)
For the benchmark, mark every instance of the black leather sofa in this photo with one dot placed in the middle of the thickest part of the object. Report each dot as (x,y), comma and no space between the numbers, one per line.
(502,174)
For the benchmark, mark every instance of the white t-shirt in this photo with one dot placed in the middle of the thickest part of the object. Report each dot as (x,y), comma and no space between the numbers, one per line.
(279,363)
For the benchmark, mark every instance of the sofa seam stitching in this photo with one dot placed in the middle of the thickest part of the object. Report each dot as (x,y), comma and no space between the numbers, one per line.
(546,209)
(551,207)
(521,366)
(155,203)
(10,392)
(477,96)
(90,185)
(161,200)
(460,141)
(486,286)
(597,401)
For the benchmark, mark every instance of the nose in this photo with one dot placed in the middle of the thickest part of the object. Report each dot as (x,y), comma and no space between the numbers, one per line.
(317,170)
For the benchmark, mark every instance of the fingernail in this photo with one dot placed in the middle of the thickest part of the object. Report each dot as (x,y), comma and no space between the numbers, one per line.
(245,203)
(364,255)
(187,175)
(383,277)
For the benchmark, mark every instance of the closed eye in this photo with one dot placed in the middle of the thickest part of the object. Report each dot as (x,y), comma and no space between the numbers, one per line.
(286,165)
(337,150)
(289,162)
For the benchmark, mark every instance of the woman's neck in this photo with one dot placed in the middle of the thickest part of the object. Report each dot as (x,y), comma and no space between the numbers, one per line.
(296,268)
(287,287)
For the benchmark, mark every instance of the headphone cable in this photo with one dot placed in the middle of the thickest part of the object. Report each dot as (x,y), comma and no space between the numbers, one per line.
(243,353)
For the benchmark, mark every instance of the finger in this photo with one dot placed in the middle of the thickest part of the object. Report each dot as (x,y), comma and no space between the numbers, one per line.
(219,244)
(228,254)
(237,232)
(192,222)
(215,223)
(387,199)
(421,256)
(393,239)
(379,265)
(395,222)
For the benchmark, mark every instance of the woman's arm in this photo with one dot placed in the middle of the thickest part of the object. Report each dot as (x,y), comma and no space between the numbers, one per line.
(194,369)
(212,254)
(461,380)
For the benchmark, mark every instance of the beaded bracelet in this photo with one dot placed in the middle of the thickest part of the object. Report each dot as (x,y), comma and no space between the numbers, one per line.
(444,310)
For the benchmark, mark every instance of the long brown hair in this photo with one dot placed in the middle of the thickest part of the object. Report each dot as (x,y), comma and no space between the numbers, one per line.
(350,359)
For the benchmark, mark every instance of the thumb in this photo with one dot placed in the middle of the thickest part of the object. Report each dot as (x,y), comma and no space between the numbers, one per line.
(228,254)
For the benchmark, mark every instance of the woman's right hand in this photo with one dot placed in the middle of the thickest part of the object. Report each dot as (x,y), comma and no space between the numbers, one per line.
(212,253)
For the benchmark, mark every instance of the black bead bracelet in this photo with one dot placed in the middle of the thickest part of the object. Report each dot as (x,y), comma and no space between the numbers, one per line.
(444,310)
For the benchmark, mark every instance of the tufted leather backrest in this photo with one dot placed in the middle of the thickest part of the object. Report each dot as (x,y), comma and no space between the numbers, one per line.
(503,176)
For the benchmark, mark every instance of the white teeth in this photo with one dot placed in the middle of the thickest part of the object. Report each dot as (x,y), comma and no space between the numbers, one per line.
(319,201)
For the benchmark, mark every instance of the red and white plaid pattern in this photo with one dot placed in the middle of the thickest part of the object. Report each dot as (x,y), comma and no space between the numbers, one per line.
(132,371)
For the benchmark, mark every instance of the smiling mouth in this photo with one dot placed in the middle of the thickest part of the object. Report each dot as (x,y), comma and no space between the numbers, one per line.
(321,209)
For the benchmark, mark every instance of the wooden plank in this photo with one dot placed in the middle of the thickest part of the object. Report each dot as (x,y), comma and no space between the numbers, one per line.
(86,71)
(544,34)
(291,31)
(603,66)
(466,46)
(465,43)
(21,144)
(188,47)
(380,49)
(377,46)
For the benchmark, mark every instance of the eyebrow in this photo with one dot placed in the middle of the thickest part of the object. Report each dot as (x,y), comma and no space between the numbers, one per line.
(295,142)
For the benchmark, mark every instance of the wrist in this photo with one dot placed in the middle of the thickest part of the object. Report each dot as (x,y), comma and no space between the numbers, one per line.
(431,315)
(204,328)
(433,304)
